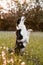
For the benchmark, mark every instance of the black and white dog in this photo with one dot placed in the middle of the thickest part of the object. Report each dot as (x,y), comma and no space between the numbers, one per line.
(22,35)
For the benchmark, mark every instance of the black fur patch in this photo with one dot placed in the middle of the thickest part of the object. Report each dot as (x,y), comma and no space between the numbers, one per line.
(18,22)
(19,36)
(20,44)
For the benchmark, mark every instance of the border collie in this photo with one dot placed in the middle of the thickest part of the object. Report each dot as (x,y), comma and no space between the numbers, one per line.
(21,35)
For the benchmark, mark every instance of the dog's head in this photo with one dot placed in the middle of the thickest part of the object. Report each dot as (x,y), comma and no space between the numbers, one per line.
(21,20)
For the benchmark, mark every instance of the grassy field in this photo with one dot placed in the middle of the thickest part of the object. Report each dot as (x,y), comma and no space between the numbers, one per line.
(33,54)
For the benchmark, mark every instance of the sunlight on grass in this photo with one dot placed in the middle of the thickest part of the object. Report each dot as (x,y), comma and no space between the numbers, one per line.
(33,54)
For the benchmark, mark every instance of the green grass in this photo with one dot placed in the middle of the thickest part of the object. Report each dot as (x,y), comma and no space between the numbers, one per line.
(33,53)
(7,39)
(35,47)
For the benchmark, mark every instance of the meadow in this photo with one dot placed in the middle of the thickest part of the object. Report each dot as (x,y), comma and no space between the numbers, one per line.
(33,54)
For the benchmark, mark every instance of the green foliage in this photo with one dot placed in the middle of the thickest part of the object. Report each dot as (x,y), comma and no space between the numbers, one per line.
(34,18)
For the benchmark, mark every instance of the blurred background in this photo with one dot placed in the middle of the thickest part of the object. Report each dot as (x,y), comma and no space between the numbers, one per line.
(11,10)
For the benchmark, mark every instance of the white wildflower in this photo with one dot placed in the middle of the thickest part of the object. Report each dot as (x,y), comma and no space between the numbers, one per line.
(7,48)
(3,53)
(0,47)
(8,61)
(4,47)
(12,60)
(23,63)
(4,62)
(4,58)
(12,53)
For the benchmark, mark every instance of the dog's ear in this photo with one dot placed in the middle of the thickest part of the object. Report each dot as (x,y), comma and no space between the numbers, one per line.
(18,22)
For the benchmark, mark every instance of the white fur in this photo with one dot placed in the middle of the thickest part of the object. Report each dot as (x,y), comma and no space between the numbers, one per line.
(24,31)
